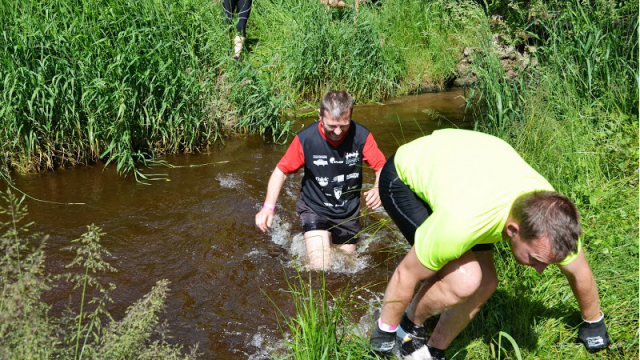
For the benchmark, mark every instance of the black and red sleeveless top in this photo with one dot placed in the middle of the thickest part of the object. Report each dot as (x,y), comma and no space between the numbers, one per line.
(332,171)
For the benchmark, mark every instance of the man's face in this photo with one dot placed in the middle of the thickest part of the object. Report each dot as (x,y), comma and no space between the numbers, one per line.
(536,253)
(335,128)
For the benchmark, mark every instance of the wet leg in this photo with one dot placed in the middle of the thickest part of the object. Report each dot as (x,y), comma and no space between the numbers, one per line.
(454,284)
(452,321)
(347,248)
(318,243)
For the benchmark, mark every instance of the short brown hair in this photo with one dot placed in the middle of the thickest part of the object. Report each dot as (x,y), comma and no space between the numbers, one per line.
(336,103)
(541,213)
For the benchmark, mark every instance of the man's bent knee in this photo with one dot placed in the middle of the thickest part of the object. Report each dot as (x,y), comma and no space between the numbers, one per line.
(464,280)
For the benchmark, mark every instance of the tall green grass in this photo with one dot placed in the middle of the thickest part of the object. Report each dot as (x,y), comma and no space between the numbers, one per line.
(430,36)
(387,48)
(312,50)
(321,328)
(117,80)
(124,81)
(86,330)
(574,118)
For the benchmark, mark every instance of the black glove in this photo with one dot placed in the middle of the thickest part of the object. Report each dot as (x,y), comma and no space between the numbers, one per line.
(594,335)
(382,342)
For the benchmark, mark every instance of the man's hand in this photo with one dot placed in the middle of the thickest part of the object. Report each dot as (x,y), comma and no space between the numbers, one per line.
(264,219)
(594,335)
(372,198)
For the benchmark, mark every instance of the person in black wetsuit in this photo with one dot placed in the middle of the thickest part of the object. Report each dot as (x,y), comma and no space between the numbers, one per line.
(243,9)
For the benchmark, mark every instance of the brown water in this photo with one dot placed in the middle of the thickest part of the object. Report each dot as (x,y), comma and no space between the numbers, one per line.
(197,230)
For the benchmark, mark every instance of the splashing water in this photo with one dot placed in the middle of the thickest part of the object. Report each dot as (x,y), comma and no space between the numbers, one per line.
(294,244)
(228,181)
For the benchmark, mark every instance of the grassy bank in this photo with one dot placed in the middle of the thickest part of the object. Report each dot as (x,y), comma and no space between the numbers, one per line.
(125,81)
(574,118)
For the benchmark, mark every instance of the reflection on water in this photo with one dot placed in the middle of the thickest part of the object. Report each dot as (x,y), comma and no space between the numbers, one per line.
(197,230)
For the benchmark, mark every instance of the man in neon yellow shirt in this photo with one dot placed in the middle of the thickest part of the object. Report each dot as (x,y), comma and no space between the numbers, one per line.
(453,194)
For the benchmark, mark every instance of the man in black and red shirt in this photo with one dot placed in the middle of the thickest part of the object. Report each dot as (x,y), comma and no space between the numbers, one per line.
(332,152)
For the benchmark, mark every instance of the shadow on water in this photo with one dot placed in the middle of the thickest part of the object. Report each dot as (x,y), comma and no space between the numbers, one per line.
(197,230)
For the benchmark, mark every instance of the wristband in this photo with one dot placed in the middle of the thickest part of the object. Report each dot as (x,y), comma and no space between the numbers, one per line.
(269,206)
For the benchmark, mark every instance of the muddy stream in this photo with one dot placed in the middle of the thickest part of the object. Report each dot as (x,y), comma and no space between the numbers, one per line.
(197,230)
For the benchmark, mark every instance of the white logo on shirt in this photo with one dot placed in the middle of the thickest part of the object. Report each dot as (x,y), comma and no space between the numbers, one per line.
(320,162)
(337,192)
(323,181)
(352,158)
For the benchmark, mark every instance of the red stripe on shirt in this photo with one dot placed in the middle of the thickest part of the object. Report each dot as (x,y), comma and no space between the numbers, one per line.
(293,159)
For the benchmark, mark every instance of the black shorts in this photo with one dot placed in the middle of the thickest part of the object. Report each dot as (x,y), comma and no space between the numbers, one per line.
(343,231)
(405,208)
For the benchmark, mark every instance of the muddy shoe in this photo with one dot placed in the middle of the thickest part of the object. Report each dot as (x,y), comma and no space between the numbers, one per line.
(410,337)
(382,343)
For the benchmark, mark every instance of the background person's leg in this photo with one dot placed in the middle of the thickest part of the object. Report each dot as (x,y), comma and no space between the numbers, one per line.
(244,10)
(229,7)
(318,243)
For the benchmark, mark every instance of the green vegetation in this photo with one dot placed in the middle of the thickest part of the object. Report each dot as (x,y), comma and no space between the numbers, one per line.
(321,327)
(573,117)
(86,330)
(125,81)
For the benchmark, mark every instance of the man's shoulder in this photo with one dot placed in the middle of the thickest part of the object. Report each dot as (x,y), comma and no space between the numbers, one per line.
(310,129)
(359,126)
(359,131)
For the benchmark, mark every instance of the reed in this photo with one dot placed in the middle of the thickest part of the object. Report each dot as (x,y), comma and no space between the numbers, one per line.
(321,327)
(117,80)
(86,330)
(574,118)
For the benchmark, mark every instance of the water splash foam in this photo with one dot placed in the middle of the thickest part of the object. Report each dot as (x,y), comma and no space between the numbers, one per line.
(281,234)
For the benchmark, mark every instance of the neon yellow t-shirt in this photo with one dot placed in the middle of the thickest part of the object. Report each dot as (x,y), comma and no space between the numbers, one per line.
(470,180)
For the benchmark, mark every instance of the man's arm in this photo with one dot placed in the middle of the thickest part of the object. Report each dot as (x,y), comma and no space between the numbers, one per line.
(264,218)
(593,331)
(372,197)
(372,155)
(583,285)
